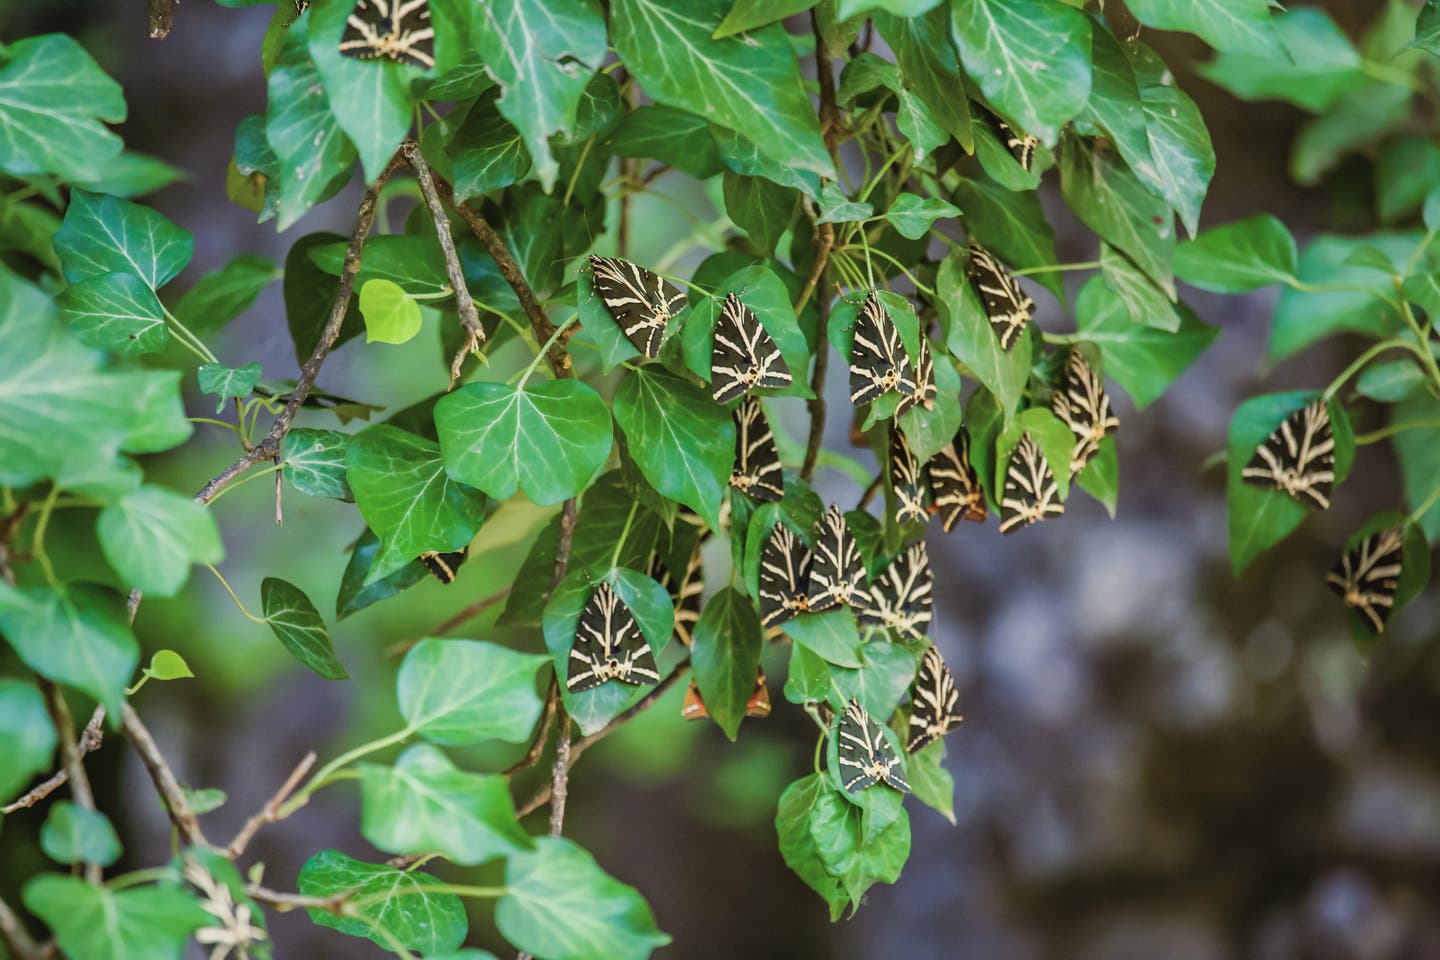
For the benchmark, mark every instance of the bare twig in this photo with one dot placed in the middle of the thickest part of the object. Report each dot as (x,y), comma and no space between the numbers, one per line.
(285,902)
(70,756)
(560,774)
(279,494)
(542,731)
(465,614)
(269,812)
(870,491)
(90,740)
(8,528)
(16,938)
(163,777)
(162,18)
(816,404)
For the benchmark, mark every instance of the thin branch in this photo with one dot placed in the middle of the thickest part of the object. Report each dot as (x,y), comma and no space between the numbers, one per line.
(162,18)
(270,812)
(285,902)
(464,615)
(17,939)
(560,774)
(170,790)
(90,740)
(469,315)
(542,731)
(70,756)
(816,404)
(870,491)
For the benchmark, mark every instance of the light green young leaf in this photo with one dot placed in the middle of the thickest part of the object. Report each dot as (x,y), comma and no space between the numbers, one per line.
(228,383)
(115,312)
(102,234)
(73,834)
(1239,256)
(1239,26)
(298,625)
(315,462)
(1143,360)
(152,535)
(391,315)
(1111,201)
(53,97)
(398,906)
(92,922)
(168,665)
(913,216)
(458,692)
(27,737)
(726,654)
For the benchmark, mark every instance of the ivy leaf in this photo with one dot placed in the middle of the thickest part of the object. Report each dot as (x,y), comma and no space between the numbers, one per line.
(228,382)
(458,692)
(1240,256)
(1241,26)
(130,174)
(1115,108)
(1357,119)
(1322,64)
(27,738)
(79,637)
(794,815)
(549,438)
(424,803)
(879,683)
(833,636)
(167,665)
(760,207)
(1111,201)
(1303,317)
(744,156)
(1145,302)
(53,97)
(91,922)
(355,594)
(309,293)
(749,14)
(1143,360)
(614,529)
(1030,57)
(488,153)
(102,234)
(414,263)
(315,462)
(1101,476)
(398,907)
(558,904)
(116,312)
(1012,226)
(152,535)
(669,135)
(726,654)
(1182,159)
(405,496)
(1051,435)
(1390,381)
(766,294)
(835,207)
(73,834)
(931,783)
(391,315)
(1419,454)
(682,441)
(749,84)
(913,216)
(1427,28)
(930,66)
(970,337)
(808,679)
(298,625)
(929,431)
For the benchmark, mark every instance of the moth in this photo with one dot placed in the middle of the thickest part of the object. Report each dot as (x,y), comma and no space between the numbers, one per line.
(902,599)
(907,479)
(757,472)
(609,646)
(1298,458)
(921,382)
(955,485)
(745,356)
(1031,493)
(784,576)
(1366,578)
(641,302)
(685,595)
(398,29)
(837,572)
(1021,145)
(757,706)
(1008,307)
(866,757)
(877,355)
(1085,408)
(444,566)
(933,702)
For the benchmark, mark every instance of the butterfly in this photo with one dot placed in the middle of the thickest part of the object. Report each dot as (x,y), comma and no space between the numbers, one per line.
(1298,458)
(877,355)
(444,565)
(641,303)
(921,382)
(757,706)
(907,480)
(1366,577)
(1085,407)
(784,575)
(1031,493)
(837,572)
(398,29)
(745,356)
(1007,306)
(609,645)
(955,485)
(902,599)
(933,702)
(685,595)
(866,757)
(757,472)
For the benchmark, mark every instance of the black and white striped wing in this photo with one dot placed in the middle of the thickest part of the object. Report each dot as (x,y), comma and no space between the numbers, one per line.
(1085,408)
(609,645)
(934,702)
(877,355)
(903,599)
(921,381)
(837,571)
(955,485)
(784,573)
(745,356)
(1031,493)
(641,303)
(757,472)
(866,757)
(398,29)
(1021,145)
(1366,578)
(1298,458)
(1008,307)
(907,479)
(444,566)
(685,594)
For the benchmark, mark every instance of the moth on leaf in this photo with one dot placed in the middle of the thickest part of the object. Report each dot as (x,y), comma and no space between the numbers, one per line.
(934,702)
(1008,307)
(757,472)
(866,757)
(1298,458)
(641,302)
(1031,494)
(609,645)
(745,356)
(398,29)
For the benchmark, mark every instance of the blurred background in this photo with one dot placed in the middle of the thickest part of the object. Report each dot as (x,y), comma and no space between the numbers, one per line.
(1157,760)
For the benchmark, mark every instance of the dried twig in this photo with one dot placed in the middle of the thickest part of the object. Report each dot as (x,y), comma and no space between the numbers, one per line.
(70,756)
(16,938)
(816,404)
(90,740)
(285,902)
(162,18)
(163,777)
(542,731)
(269,812)
(463,615)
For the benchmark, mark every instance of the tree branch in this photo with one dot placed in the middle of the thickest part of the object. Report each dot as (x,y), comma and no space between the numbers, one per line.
(90,740)
(170,790)
(70,756)
(816,404)
(465,614)
(269,812)
(162,18)
(285,902)
(17,939)
(542,731)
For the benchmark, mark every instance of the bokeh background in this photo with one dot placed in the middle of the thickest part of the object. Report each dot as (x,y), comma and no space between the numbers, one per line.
(1158,760)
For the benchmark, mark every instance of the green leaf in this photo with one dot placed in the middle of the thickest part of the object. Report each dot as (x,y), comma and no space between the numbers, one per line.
(669,135)
(1241,26)
(808,679)
(228,382)
(1101,476)
(542,62)
(405,496)
(794,816)
(1110,200)
(1427,28)
(1145,302)
(315,462)
(73,834)
(930,781)
(749,84)
(53,97)
(116,312)
(560,905)
(1419,454)
(836,207)
(309,293)
(744,156)
(1261,517)
(833,636)
(614,529)
(1182,159)
(391,316)
(1143,360)
(1115,108)
(355,594)
(414,263)
(930,66)
(425,803)
(1322,64)
(1012,226)
(457,692)
(131,174)
(1030,57)
(1049,433)
(91,922)
(398,907)
(205,800)
(102,234)
(599,326)
(298,625)
(1244,255)
(549,438)
(1353,123)
(1302,317)
(913,216)
(749,14)
(488,153)
(168,665)
(970,337)
(930,430)
(887,673)
(1390,381)
(27,738)
(766,294)
(309,144)
(726,654)
(79,637)
(682,441)
(761,208)
(152,535)
(1406,170)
